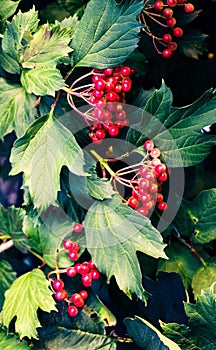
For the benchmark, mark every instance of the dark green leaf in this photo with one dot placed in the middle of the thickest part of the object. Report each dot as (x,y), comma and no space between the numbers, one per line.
(182,261)
(98,42)
(146,336)
(73,6)
(7,276)
(31,290)
(114,232)
(17,108)
(10,342)
(181,335)
(41,153)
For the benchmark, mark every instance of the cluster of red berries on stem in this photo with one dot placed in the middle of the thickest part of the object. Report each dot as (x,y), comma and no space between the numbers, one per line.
(163,14)
(106,97)
(87,270)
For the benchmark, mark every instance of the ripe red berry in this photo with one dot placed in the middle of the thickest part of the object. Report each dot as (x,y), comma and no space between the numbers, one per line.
(58,284)
(79,303)
(171,22)
(95,274)
(148,145)
(189,8)
(172,3)
(108,71)
(153,188)
(162,177)
(121,115)
(73,255)
(155,153)
(61,294)
(158,5)
(160,168)
(67,244)
(72,311)
(159,198)
(87,280)
(143,184)
(98,93)
(126,84)
(172,45)
(91,264)
(125,71)
(167,38)
(167,12)
(83,294)
(84,270)
(112,96)
(100,84)
(143,211)
(148,205)
(100,134)
(113,131)
(74,247)
(77,228)
(71,272)
(133,202)
(78,267)
(178,32)
(95,78)
(118,88)
(162,205)
(75,297)
(143,170)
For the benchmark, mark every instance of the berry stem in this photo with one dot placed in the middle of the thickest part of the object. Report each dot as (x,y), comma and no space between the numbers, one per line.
(103,163)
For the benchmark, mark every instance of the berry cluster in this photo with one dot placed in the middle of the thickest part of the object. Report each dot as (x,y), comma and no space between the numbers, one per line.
(106,96)
(163,14)
(87,270)
(148,183)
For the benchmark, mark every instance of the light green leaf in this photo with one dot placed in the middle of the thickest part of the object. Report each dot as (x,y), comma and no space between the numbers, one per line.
(18,32)
(182,261)
(17,108)
(146,336)
(204,277)
(40,154)
(78,340)
(10,342)
(47,47)
(11,220)
(99,188)
(9,64)
(31,231)
(27,293)
(42,81)
(114,232)
(7,276)
(8,8)
(105,37)
(176,131)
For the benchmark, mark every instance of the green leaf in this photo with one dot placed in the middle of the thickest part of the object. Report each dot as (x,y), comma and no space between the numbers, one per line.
(47,47)
(40,154)
(107,36)
(204,277)
(182,261)
(9,342)
(8,8)
(42,81)
(114,232)
(201,333)
(73,6)
(78,340)
(17,108)
(176,131)
(7,276)
(18,32)
(9,64)
(54,226)
(11,220)
(32,291)
(99,188)
(146,336)
(31,231)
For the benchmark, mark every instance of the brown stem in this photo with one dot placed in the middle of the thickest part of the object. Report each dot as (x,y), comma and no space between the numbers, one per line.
(6,245)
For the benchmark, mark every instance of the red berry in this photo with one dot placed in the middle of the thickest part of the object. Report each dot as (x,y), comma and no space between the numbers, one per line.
(77,300)
(172,45)
(143,170)
(61,294)
(125,71)
(155,153)
(100,84)
(113,131)
(162,205)
(145,198)
(148,145)
(167,38)
(91,264)
(177,32)
(143,211)
(95,274)
(98,93)
(153,188)
(95,78)
(78,267)
(58,284)
(112,96)
(108,71)
(87,280)
(67,244)
(171,22)
(167,12)
(155,161)
(160,168)
(167,53)
(149,176)
(121,115)
(163,177)
(77,228)
(158,5)
(159,198)
(79,303)
(126,84)
(100,134)
(189,8)
(84,270)
(83,294)
(71,272)
(143,184)
(172,3)
(133,202)
(72,311)
(148,205)
(118,88)
(74,247)
(73,255)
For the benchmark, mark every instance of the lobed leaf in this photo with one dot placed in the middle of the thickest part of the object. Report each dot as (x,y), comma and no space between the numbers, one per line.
(41,153)
(26,295)
(8,8)
(106,37)
(7,277)
(9,342)
(114,232)
(204,277)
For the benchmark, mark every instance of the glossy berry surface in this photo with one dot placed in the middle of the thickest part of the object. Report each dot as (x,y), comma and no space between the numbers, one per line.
(72,311)
(58,284)
(77,228)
